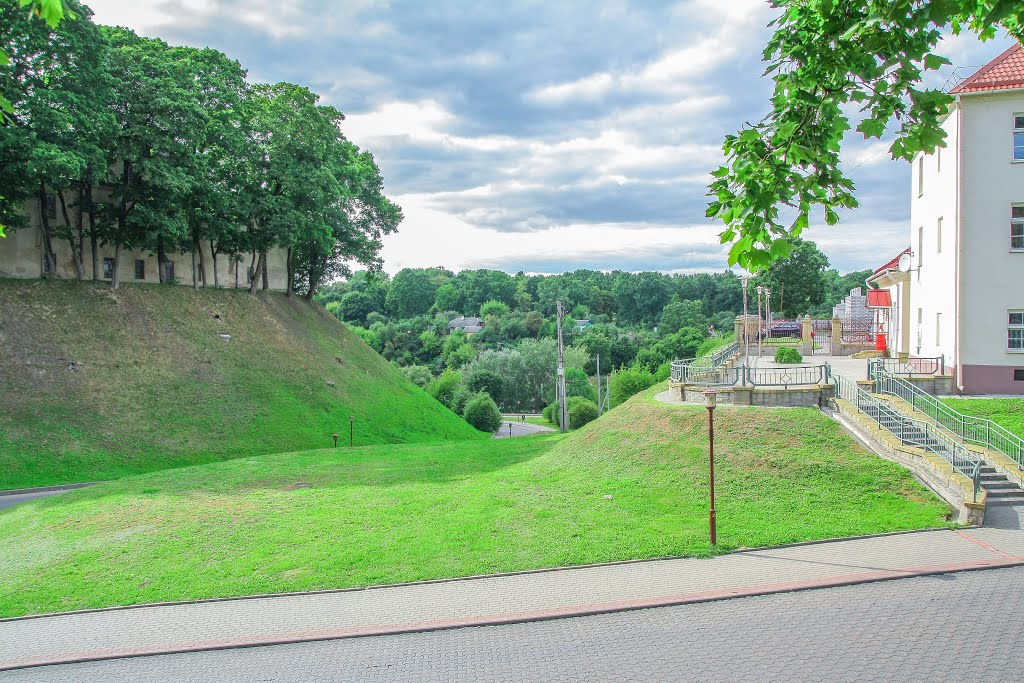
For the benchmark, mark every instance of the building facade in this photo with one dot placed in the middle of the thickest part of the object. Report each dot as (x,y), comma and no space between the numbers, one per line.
(965,300)
(22,256)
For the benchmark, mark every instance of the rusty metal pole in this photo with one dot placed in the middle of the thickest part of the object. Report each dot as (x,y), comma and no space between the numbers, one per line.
(710,397)
(351,430)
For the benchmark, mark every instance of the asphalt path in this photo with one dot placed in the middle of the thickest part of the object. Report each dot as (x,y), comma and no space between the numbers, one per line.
(10,499)
(952,627)
(519,429)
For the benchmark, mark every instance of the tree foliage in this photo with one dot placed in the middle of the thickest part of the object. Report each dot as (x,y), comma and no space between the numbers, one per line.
(482,413)
(827,59)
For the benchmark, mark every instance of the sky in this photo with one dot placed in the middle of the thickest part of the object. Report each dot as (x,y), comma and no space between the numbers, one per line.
(543,137)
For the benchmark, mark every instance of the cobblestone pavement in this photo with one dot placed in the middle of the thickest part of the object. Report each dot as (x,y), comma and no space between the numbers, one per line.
(499,599)
(954,627)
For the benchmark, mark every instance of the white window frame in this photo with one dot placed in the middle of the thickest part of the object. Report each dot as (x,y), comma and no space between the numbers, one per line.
(1017,222)
(1018,129)
(1013,325)
(938,236)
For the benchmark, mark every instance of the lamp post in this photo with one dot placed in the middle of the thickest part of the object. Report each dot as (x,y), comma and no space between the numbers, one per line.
(710,399)
(746,323)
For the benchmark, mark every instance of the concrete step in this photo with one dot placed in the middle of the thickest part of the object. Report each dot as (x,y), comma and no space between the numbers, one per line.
(991,486)
(1004,493)
(1019,500)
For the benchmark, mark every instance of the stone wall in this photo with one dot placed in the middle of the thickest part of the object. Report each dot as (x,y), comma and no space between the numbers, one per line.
(811,396)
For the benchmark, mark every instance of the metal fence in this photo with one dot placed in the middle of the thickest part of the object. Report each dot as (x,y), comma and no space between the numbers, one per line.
(786,377)
(969,429)
(857,334)
(693,367)
(912,432)
(907,366)
(756,377)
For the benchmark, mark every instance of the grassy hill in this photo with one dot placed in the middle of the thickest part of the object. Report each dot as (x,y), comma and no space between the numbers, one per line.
(97,384)
(632,484)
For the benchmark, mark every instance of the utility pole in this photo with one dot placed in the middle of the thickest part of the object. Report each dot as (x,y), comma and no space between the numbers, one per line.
(760,327)
(746,337)
(563,413)
(599,385)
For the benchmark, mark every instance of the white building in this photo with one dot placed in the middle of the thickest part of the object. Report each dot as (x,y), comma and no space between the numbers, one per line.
(959,293)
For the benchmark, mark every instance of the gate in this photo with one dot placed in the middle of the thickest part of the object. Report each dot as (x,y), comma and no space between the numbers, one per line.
(821,339)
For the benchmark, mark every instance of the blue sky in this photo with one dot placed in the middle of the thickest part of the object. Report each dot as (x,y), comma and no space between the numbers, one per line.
(542,137)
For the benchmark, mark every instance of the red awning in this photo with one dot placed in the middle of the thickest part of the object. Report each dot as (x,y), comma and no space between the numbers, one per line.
(879,298)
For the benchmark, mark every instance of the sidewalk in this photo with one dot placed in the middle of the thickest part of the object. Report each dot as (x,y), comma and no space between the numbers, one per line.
(110,634)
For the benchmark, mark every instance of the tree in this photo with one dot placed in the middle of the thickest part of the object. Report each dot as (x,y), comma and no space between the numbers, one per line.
(482,412)
(355,306)
(640,298)
(798,281)
(497,309)
(827,59)
(680,314)
(578,384)
(484,380)
(412,293)
(418,375)
(445,388)
(448,298)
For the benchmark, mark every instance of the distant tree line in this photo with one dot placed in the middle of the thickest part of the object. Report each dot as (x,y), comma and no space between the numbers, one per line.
(184,151)
(636,323)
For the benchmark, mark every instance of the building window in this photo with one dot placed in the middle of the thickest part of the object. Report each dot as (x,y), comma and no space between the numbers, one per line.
(938,160)
(108,268)
(938,329)
(920,251)
(1015,331)
(1018,375)
(140,269)
(920,175)
(938,236)
(1018,137)
(1017,227)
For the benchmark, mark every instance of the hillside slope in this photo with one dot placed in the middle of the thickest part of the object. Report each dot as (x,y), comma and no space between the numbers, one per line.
(96,384)
(630,485)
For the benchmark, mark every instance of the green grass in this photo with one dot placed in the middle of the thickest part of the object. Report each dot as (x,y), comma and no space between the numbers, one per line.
(1008,412)
(157,388)
(631,485)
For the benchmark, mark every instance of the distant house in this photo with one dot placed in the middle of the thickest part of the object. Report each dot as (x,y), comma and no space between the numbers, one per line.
(467,325)
(582,325)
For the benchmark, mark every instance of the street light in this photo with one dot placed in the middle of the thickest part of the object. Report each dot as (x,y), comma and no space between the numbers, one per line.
(710,399)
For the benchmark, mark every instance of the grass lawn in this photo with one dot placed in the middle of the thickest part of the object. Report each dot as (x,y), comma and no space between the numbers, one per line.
(1008,412)
(632,484)
(96,384)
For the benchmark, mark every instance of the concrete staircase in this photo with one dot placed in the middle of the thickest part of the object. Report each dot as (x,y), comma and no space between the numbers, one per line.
(1000,490)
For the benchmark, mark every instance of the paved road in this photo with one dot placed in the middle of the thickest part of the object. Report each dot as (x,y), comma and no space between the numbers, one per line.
(519,429)
(8,500)
(955,627)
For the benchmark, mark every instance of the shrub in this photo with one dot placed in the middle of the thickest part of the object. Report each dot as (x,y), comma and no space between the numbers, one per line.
(629,381)
(482,412)
(418,375)
(578,384)
(445,388)
(550,413)
(581,411)
(787,354)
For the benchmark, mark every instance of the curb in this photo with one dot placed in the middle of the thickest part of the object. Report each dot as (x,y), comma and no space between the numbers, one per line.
(517,617)
(45,489)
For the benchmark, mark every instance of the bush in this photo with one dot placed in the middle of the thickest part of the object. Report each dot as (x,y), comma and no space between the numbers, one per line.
(482,412)
(581,411)
(550,413)
(629,381)
(418,375)
(787,354)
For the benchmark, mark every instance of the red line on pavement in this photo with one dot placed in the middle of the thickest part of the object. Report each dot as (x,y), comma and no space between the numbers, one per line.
(988,546)
(512,617)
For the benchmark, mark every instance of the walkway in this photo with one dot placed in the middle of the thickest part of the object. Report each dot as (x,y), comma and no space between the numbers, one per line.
(14,497)
(852,368)
(512,428)
(926,629)
(501,599)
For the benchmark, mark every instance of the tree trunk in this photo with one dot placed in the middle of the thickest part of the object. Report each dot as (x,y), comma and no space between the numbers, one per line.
(202,260)
(237,261)
(161,259)
(94,244)
(49,258)
(74,237)
(213,255)
(290,276)
(195,280)
(258,273)
(314,279)
(266,276)
(115,277)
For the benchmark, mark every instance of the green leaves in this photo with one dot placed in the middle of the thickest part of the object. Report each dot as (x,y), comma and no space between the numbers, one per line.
(827,56)
(50,11)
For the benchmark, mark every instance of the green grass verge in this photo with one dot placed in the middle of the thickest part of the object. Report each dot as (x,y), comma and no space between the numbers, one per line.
(631,485)
(96,384)
(1008,412)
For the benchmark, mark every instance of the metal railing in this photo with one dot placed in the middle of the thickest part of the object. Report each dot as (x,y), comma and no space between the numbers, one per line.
(907,366)
(969,429)
(756,377)
(785,377)
(681,369)
(912,432)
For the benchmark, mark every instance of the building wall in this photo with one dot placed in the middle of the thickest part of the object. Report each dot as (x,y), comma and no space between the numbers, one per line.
(931,318)
(990,271)
(21,256)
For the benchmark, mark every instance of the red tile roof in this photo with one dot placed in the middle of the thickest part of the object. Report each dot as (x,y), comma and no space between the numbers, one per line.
(891,265)
(1003,73)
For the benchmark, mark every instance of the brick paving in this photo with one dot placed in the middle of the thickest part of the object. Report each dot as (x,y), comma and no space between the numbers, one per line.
(958,627)
(503,599)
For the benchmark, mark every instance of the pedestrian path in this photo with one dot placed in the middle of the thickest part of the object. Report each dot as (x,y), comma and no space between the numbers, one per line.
(110,634)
